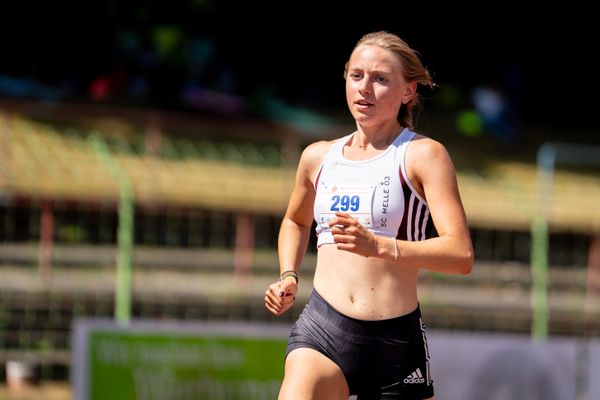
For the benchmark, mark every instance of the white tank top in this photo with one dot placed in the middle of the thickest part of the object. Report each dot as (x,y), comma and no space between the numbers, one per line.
(375,191)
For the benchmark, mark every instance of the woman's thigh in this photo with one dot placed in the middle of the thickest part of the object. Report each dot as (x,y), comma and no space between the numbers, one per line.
(311,375)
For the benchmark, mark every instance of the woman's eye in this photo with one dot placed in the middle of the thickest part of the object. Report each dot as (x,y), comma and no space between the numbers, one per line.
(380,79)
(355,75)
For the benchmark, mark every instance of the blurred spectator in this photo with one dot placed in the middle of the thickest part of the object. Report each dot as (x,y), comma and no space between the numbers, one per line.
(495,110)
(100,88)
(27,87)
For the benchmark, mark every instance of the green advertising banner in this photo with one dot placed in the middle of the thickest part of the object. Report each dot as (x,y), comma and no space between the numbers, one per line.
(155,361)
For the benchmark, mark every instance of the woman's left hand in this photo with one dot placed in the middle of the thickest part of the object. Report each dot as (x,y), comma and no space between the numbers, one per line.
(352,236)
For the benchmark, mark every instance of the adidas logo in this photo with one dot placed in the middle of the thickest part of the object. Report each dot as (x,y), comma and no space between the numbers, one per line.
(415,377)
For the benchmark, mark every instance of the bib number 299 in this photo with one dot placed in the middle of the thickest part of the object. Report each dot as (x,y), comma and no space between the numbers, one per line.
(345,203)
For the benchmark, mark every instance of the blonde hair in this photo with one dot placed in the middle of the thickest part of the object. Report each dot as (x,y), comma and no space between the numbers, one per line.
(412,68)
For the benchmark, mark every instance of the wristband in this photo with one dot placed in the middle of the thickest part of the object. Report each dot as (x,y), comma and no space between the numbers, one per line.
(395,249)
(291,273)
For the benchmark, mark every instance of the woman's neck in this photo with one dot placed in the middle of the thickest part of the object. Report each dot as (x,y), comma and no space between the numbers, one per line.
(377,138)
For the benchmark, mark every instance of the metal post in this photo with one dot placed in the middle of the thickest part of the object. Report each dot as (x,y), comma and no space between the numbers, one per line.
(124,234)
(244,246)
(46,241)
(540,310)
(539,279)
(549,154)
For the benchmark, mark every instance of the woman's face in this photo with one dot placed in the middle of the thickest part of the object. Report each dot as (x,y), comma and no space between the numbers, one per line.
(375,87)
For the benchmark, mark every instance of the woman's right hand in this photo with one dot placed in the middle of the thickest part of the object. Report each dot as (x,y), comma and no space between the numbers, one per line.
(280,296)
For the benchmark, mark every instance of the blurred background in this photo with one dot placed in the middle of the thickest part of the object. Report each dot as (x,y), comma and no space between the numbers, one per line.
(148,149)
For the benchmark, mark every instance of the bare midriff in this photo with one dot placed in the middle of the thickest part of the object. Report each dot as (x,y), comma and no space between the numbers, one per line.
(365,288)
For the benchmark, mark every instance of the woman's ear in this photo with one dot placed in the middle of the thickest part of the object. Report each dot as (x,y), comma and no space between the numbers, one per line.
(409,92)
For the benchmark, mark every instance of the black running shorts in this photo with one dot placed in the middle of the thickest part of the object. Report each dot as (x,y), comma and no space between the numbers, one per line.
(385,359)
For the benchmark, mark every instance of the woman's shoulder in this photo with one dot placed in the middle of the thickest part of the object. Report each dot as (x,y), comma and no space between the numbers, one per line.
(426,155)
(424,147)
(315,152)
(320,147)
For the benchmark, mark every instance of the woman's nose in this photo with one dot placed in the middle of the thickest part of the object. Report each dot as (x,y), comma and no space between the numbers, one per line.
(365,85)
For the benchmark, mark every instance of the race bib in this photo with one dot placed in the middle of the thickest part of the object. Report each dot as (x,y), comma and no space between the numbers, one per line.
(354,199)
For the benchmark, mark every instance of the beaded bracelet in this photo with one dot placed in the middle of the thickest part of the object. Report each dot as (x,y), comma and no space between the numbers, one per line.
(291,273)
